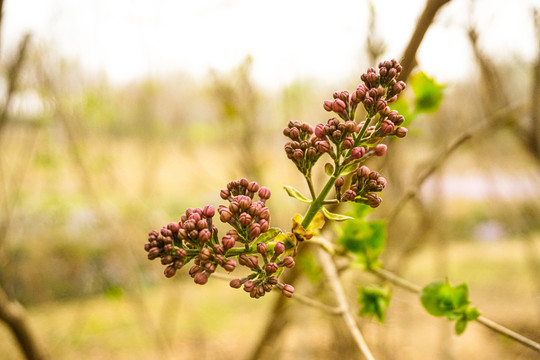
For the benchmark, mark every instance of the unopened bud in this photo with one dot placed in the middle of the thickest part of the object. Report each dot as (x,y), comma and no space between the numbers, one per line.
(358,152)
(228,242)
(200,278)
(380,149)
(339,181)
(288,290)
(264,193)
(327,105)
(288,261)
(262,248)
(229,265)
(338,106)
(401,132)
(169,271)
(271,268)
(279,248)
(236,283)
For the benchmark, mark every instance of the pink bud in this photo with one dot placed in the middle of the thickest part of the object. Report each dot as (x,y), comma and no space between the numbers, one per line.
(338,106)
(279,248)
(358,152)
(264,193)
(209,211)
(236,283)
(200,278)
(288,290)
(327,105)
(380,149)
(401,132)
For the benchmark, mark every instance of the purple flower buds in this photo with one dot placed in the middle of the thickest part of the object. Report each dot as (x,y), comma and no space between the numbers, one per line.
(279,248)
(287,290)
(357,152)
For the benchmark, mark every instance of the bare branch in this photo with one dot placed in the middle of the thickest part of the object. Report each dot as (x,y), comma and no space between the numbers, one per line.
(408,60)
(331,273)
(13,314)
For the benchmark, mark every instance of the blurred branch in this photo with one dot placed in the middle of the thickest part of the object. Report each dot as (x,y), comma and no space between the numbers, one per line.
(329,269)
(408,60)
(496,119)
(13,73)
(534,135)
(13,314)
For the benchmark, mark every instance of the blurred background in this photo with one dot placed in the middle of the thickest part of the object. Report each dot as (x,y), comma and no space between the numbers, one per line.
(117,115)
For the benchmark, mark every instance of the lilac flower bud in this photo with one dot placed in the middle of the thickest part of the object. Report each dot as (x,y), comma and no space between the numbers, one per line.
(327,105)
(294,134)
(358,152)
(401,132)
(200,278)
(209,211)
(228,242)
(249,285)
(181,253)
(205,235)
(319,131)
(225,215)
(264,225)
(229,265)
(288,290)
(169,271)
(271,268)
(279,248)
(210,267)
(262,248)
(323,146)
(348,143)
(205,254)
(311,153)
(373,200)
(153,253)
(224,194)
(392,99)
(173,227)
(363,171)
(219,250)
(236,283)
(288,261)
(264,193)
(244,219)
(380,149)
(194,270)
(272,280)
(338,106)
(202,224)
(381,105)
(387,126)
(254,230)
(253,187)
(349,195)
(381,181)
(398,87)
(166,260)
(339,181)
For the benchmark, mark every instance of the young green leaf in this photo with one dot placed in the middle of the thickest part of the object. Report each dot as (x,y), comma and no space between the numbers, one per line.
(296,194)
(364,239)
(335,217)
(374,301)
(428,93)
(443,300)
(267,236)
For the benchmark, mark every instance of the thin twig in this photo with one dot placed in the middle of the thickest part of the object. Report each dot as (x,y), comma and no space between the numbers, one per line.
(330,271)
(490,324)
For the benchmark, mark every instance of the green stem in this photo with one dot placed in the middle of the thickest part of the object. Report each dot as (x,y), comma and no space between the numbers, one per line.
(317,203)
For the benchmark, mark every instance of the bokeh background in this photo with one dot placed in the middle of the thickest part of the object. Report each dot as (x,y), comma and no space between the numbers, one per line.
(118,115)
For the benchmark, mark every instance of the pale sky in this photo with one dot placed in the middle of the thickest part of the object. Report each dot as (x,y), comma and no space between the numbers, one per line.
(130,39)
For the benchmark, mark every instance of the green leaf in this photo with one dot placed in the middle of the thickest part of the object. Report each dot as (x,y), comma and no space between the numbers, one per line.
(335,217)
(296,194)
(267,236)
(361,210)
(472,314)
(374,301)
(349,168)
(461,324)
(329,169)
(428,92)
(364,239)
(443,300)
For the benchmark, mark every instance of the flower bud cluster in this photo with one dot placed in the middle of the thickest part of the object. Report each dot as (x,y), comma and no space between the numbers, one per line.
(364,185)
(195,238)
(178,243)
(248,218)
(264,277)
(304,149)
